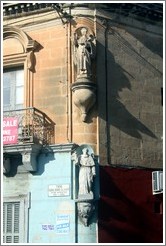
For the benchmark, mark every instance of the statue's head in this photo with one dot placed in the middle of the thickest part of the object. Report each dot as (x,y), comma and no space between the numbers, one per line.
(83,31)
(85,151)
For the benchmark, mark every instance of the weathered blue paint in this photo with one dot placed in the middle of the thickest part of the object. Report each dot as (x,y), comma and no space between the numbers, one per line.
(44,225)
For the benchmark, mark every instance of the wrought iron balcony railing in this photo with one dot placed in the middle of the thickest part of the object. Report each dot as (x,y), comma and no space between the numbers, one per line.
(33,126)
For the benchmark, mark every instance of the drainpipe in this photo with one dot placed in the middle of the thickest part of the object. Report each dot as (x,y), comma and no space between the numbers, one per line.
(69,80)
(107,109)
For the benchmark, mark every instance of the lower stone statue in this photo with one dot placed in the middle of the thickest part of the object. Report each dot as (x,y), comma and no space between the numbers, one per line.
(83,157)
(87,172)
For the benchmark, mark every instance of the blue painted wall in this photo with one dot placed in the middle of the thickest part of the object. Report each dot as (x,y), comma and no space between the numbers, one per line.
(52,219)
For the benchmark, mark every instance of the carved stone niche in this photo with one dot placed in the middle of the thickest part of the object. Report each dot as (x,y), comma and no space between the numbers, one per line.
(84,88)
(83,158)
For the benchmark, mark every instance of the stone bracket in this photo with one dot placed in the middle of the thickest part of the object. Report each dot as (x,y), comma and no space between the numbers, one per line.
(29,160)
(84,97)
(85,209)
(29,153)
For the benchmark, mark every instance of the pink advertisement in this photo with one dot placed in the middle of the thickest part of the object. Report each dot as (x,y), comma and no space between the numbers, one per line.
(10,130)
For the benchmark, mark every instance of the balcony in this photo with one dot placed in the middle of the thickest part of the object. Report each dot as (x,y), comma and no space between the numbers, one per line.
(33,126)
(25,132)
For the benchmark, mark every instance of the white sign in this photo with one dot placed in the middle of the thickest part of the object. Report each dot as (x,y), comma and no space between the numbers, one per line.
(59,190)
(62,224)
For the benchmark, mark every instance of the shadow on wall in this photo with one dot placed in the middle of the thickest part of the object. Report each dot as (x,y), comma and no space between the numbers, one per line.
(156,47)
(117,114)
(42,159)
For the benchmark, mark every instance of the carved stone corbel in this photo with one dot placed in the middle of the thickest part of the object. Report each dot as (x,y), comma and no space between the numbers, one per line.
(84,97)
(85,211)
(29,158)
(31,60)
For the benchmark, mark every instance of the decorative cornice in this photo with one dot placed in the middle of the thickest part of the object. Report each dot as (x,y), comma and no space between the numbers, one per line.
(148,11)
(56,148)
(24,9)
(18,8)
(151,11)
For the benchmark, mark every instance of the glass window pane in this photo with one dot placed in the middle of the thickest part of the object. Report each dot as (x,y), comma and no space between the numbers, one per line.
(13,88)
(6,96)
(19,77)
(19,95)
(6,80)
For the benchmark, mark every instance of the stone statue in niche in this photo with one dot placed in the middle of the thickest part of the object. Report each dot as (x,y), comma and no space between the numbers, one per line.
(83,52)
(87,172)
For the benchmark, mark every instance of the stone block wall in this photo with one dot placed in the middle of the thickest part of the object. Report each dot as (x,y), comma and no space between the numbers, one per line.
(132,110)
(125,126)
(52,85)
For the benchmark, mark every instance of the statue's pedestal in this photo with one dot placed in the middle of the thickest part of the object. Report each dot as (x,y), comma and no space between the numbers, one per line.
(84,95)
(85,197)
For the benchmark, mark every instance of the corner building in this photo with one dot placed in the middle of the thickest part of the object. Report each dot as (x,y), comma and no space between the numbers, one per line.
(82,122)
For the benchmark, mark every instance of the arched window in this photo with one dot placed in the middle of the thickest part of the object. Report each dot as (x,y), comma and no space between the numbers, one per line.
(18,68)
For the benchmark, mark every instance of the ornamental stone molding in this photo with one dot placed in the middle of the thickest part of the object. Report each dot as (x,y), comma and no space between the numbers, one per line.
(26,48)
(27,43)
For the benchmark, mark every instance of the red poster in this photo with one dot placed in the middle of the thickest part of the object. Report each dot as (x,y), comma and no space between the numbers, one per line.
(10,130)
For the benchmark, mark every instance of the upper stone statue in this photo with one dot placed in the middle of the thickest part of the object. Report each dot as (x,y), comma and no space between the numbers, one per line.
(83,52)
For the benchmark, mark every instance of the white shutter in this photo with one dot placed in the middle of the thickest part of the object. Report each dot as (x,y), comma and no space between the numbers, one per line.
(11,219)
(15,219)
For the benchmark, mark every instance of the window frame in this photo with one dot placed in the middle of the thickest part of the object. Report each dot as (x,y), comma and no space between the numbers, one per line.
(13,89)
(24,201)
(15,61)
(25,59)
